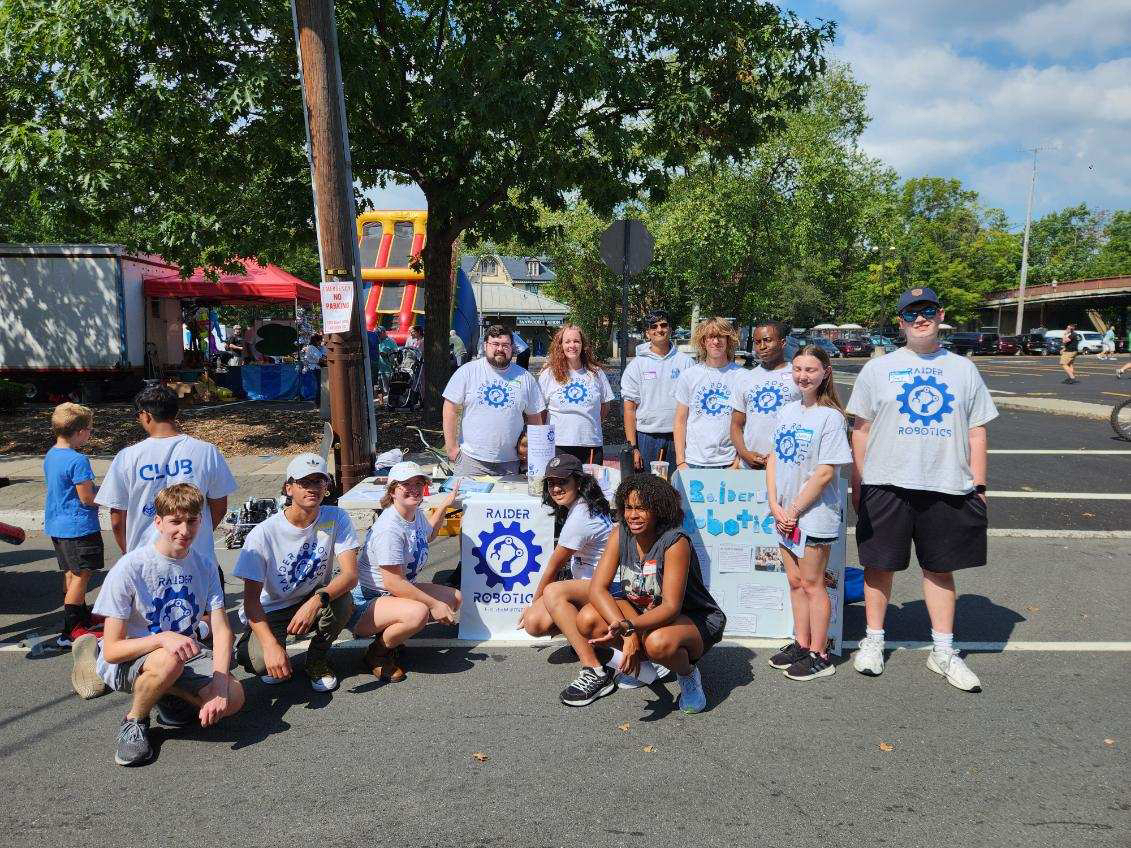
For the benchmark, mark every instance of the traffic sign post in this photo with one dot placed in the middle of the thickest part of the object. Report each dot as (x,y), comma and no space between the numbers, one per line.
(626,248)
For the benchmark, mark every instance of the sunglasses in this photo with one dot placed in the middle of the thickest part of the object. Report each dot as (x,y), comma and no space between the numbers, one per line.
(928,312)
(659,325)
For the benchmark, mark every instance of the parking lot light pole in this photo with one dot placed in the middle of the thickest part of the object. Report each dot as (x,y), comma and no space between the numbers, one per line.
(1025,250)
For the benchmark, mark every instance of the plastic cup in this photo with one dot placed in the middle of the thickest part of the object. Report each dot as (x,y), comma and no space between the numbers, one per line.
(660,468)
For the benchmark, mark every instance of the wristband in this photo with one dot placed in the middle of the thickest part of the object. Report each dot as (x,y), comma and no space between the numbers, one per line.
(980,488)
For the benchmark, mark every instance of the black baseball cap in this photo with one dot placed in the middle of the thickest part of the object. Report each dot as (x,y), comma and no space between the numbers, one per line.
(562,466)
(923,295)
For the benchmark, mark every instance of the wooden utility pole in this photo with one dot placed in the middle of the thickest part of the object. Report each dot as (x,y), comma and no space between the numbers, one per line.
(331,173)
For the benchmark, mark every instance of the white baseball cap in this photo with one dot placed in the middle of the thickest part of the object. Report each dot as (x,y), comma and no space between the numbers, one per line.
(306,464)
(403,471)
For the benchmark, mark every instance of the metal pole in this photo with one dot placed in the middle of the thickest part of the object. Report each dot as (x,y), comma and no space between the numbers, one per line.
(1025,249)
(334,210)
(624,303)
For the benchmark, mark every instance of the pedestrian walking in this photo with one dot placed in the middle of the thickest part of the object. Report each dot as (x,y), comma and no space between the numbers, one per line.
(1107,345)
(919,474)
(1068,353)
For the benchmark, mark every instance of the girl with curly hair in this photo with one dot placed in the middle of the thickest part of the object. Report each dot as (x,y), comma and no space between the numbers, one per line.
(647,598)
(577,395)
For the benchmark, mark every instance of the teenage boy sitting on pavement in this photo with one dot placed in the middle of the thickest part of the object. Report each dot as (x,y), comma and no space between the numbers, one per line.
(71,516)
(287,563)
(152,599)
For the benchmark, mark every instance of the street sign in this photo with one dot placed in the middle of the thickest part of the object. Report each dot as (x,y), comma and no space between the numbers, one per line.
(637,245)
(337,305)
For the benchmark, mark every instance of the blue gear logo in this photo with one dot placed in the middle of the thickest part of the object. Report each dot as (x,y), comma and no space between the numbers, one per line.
(767,398)
(575,392)
(150,510)
(713,399)
(925,400)
(174,610)
(506,555)
(785,445)
(300,566)
(496,395)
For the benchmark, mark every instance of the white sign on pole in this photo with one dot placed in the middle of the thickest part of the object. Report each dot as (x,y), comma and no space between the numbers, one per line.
(505,542)
(727,515)
(337,305)
(539,448)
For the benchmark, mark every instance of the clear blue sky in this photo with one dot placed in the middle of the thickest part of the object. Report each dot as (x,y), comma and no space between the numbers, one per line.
(960,89)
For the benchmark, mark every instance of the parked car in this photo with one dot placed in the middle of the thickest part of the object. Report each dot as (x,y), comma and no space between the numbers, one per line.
(1090,341)
(824,344)
(1054,342)
(853,347)
(1034,344)
(976,343)
(1009,345)
(885,343)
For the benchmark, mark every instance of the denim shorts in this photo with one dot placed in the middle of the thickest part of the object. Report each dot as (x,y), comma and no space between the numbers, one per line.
(821,540)
(362,597)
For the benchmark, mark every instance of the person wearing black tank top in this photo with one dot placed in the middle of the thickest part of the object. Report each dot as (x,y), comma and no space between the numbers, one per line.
(663,611)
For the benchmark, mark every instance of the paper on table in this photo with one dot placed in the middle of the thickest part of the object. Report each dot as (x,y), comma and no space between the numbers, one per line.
(760,597)
(539,448)
(734,558)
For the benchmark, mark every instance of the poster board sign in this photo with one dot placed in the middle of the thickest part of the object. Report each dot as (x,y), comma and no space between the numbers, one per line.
(337,305)
(505,542)
(539,448)
(727,515)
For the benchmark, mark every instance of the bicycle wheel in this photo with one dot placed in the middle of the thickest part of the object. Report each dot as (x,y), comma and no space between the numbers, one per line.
(1121,419)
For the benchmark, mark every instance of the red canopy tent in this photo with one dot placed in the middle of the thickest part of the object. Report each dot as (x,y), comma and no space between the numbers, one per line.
(259,284)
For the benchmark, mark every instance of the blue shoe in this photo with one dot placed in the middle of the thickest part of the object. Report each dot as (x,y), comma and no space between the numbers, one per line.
(692,698)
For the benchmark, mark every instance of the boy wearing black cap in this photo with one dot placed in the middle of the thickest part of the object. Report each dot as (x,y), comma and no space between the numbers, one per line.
(919,473)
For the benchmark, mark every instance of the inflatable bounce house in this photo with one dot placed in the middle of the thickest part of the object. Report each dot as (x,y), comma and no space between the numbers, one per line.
(393,277)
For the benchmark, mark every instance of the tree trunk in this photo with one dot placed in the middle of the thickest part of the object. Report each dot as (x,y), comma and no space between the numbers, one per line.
(438,277)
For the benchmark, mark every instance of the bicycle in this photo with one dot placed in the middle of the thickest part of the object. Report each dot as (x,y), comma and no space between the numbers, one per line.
(1121,419)
(439,456)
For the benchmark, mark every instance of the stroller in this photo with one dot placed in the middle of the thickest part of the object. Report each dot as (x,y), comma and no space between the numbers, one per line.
(254,511)
(406,379)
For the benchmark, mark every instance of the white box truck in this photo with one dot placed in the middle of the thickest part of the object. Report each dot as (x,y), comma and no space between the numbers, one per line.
(72,319)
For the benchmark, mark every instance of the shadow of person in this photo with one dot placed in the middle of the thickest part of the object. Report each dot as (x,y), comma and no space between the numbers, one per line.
(722,670)
(421,660)
(977,619)
(35,601)
(264,711)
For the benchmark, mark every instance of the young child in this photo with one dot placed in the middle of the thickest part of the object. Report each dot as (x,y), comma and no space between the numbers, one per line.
(71,516)
(152,599)
(805,499)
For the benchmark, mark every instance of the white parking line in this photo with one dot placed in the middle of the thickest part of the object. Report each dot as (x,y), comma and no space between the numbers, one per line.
(1064,496)
(1065,452)
(1027,533)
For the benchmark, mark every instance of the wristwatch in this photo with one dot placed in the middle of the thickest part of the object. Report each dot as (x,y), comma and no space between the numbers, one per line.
(980,488)
(627,627)
(324,597)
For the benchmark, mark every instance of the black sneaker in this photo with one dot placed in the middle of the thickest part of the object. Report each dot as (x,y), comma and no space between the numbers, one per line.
(133,742)
(810,667)
(787,656)
(591,684)
(176,713)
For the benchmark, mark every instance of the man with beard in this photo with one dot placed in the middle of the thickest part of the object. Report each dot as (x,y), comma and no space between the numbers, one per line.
(498,398)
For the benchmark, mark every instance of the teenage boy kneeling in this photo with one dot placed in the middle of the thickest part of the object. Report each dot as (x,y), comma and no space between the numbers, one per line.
(152,599)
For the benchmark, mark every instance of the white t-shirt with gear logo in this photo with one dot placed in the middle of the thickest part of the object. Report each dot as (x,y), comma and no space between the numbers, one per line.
(292,562)
(585,534)
(393,541)
(494,403)
(575,406)
(707,391)
(140,471)
(762,395)
(805,438)
(921,408)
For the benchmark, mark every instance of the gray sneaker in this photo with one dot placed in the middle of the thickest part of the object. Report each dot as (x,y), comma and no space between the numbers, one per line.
(133,742)
(84,669)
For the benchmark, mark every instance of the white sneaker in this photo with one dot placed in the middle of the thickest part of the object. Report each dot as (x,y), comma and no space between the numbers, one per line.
(272,681)
(954,669)
(649,673)
(869,658)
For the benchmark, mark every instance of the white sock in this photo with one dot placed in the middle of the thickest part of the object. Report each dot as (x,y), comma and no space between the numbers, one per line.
(944,642)
(874,634)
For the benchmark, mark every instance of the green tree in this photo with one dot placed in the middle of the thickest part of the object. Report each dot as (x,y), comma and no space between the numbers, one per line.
(1066,245)
(1114,258)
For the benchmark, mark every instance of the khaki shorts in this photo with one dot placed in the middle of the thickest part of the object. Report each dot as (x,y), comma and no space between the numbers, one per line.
(1067,357)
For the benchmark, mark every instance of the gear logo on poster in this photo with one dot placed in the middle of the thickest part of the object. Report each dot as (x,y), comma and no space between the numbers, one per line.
(174,610)
(506,555)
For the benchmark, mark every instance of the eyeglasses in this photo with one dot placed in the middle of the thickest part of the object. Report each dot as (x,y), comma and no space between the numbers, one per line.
(312,484)
(659,325)
(928,312)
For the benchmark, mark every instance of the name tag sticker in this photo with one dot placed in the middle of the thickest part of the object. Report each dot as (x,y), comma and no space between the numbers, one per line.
(649,568)
(899,376)
(649,375)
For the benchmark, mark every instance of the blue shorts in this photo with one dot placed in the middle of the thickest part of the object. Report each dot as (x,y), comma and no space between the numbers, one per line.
(362,597)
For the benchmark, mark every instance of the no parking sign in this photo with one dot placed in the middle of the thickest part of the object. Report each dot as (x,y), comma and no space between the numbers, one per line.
(505,542)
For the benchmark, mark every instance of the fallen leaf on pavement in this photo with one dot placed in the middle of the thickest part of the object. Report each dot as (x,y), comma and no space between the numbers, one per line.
(1088,514)
(648,749)
(1032,609)
(623,727)
(884,746)
(479,756)
(1109,742)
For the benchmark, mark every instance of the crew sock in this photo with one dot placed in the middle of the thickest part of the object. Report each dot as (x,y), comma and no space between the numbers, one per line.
(944,642)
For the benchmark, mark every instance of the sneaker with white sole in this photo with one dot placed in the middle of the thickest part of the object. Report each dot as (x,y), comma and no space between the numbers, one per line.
(591,684)
(954,669)
(84,668)
(810,667)
(788,655)
(869,658)
(322,677)
(648,674)
(272,681)
(692,697)
(133,742)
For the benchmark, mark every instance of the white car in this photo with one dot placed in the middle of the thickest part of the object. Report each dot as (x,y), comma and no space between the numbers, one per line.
(1090,340)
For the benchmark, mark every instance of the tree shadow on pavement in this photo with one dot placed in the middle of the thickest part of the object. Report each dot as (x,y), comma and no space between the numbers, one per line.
(31,602)
(976,619)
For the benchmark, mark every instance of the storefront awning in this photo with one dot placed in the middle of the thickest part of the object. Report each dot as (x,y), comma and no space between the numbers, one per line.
(260,284)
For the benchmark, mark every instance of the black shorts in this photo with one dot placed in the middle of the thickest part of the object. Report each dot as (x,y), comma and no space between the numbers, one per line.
(582,453)
(710,624)
(949,531)
(82,552)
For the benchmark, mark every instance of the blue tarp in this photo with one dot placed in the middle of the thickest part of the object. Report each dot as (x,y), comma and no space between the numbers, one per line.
(271,382)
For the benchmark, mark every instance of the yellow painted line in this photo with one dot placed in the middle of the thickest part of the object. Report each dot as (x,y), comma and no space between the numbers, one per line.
(1116,394)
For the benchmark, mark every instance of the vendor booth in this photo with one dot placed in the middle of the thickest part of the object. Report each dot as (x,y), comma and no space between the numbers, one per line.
(174,309)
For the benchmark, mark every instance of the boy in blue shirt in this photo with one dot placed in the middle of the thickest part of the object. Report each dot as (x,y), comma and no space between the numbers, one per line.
(71,516)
